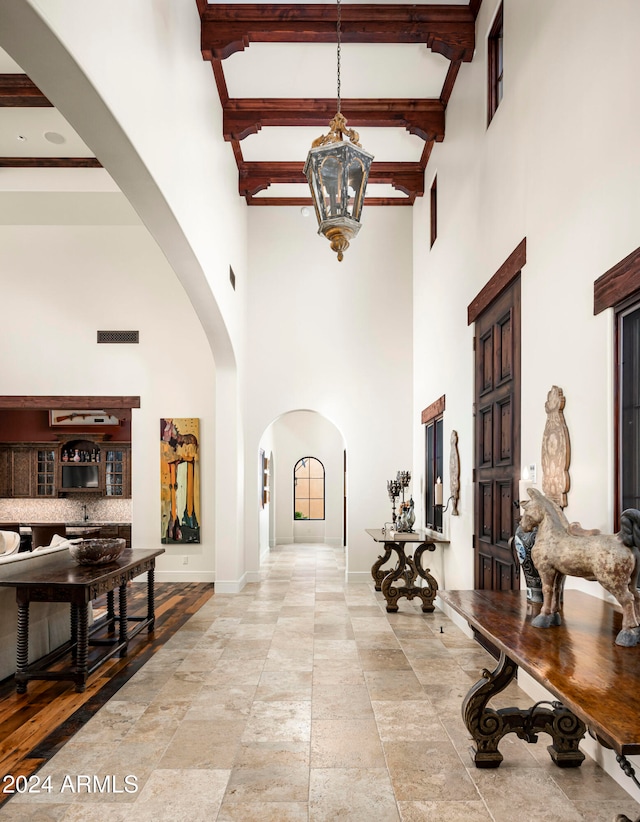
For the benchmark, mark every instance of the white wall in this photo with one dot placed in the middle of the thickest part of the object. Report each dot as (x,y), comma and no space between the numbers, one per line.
(559,166)
(62,283)
(128,78)
(334,338)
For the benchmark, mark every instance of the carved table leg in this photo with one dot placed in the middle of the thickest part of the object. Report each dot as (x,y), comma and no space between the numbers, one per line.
(83,647)
(487,726)
(408,568)
(22,647)
(151,613)
(122,602)
(405,569)
(429,592)
(376,572)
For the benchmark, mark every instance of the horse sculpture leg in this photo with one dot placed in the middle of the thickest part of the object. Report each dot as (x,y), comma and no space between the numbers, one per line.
(629,636)
(548,616)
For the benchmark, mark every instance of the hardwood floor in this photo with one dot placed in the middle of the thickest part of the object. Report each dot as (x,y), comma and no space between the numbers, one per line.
(35,725)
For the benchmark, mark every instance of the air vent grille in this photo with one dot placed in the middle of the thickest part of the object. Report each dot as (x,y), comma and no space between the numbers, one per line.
(118,336)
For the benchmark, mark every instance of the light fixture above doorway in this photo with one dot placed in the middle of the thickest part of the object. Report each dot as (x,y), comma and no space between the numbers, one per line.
(337,172)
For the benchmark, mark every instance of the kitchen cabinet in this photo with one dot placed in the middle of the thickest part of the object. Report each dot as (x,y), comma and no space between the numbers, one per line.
(117,482)
(37,470)
(5,483)
(27,471)
(45,479)
(21,473)
(98,468)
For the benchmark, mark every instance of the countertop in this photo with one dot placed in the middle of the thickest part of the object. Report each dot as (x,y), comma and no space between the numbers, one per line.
(77,525)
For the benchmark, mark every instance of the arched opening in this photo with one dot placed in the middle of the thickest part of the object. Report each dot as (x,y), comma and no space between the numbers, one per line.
(290,440)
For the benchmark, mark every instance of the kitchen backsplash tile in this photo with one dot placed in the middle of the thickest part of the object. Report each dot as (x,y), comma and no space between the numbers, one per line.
(68,509)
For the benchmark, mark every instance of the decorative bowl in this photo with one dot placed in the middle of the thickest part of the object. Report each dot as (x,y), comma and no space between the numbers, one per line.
(97,551)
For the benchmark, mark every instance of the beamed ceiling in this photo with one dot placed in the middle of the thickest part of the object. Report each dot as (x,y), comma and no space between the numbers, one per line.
(274,67)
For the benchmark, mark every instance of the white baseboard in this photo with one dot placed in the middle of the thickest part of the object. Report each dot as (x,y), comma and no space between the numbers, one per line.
(253,576)
(231,586)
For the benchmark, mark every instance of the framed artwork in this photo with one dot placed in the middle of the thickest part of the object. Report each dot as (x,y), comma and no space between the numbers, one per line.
(264,479)
(180,480)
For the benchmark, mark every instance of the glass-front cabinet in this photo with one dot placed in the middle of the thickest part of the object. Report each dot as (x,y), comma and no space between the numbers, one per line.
(116,460)
(45,472)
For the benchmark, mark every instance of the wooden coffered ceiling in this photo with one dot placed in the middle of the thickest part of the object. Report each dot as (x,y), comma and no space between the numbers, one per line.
(274,67)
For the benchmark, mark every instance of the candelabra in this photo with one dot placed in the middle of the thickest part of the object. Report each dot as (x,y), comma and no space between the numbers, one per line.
(403,522)
(393,488)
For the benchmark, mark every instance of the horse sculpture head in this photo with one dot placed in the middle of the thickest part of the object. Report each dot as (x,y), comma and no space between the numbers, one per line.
(534,510)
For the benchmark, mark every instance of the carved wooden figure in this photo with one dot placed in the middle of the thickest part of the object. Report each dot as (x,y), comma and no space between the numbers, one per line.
(564,549)
(556,449)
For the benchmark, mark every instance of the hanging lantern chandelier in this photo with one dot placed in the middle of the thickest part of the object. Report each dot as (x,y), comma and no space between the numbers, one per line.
(337,172)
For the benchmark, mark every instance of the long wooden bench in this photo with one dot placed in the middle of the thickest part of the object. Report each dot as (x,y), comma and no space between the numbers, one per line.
(595,681)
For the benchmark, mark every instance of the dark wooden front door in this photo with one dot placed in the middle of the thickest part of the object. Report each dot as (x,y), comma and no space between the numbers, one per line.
(497,440)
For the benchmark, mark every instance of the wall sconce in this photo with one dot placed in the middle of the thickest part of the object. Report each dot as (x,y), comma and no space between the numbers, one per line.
(437,488)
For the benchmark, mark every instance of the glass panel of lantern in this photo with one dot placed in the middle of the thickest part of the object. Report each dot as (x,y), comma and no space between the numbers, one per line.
(356,188)
(330,173)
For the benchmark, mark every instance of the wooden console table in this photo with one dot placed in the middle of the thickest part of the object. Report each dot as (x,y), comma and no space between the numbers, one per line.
(63,580)
(408,567)
(595,680)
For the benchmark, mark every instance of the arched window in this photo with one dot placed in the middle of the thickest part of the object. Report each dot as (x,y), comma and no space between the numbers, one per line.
(308,489)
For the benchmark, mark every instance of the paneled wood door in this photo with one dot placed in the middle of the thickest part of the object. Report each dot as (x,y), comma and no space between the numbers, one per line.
(497,439)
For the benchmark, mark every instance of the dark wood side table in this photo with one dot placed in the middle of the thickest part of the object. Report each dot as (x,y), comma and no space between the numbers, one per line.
(593,679)
(61,579)
(408,568)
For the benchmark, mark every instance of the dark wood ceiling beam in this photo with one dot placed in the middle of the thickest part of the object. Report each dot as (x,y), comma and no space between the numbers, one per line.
(258,176)
(306,201)
(18,90)
(49,162)
(228,28)
(242,117)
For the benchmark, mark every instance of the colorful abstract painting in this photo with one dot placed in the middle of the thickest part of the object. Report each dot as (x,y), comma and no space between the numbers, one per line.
(180,480)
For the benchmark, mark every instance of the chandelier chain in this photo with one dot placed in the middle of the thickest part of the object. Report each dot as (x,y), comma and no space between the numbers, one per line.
(339,31)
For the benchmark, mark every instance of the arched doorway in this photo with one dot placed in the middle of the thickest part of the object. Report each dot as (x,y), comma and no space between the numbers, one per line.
(291,438)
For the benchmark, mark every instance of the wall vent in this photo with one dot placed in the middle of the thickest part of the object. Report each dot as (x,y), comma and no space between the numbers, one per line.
(118,336)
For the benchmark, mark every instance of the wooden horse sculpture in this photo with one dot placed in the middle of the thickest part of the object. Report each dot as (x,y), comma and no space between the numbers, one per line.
(563,549)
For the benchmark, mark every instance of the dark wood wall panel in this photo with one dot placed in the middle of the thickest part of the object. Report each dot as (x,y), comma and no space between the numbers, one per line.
(485,433)
(504,359)
(504,432)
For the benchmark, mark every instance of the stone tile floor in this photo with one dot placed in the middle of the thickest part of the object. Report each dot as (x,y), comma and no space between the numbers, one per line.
(301,699)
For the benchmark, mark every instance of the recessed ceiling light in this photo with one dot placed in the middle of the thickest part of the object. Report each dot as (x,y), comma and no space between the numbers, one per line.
(22,138)
(54,137)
